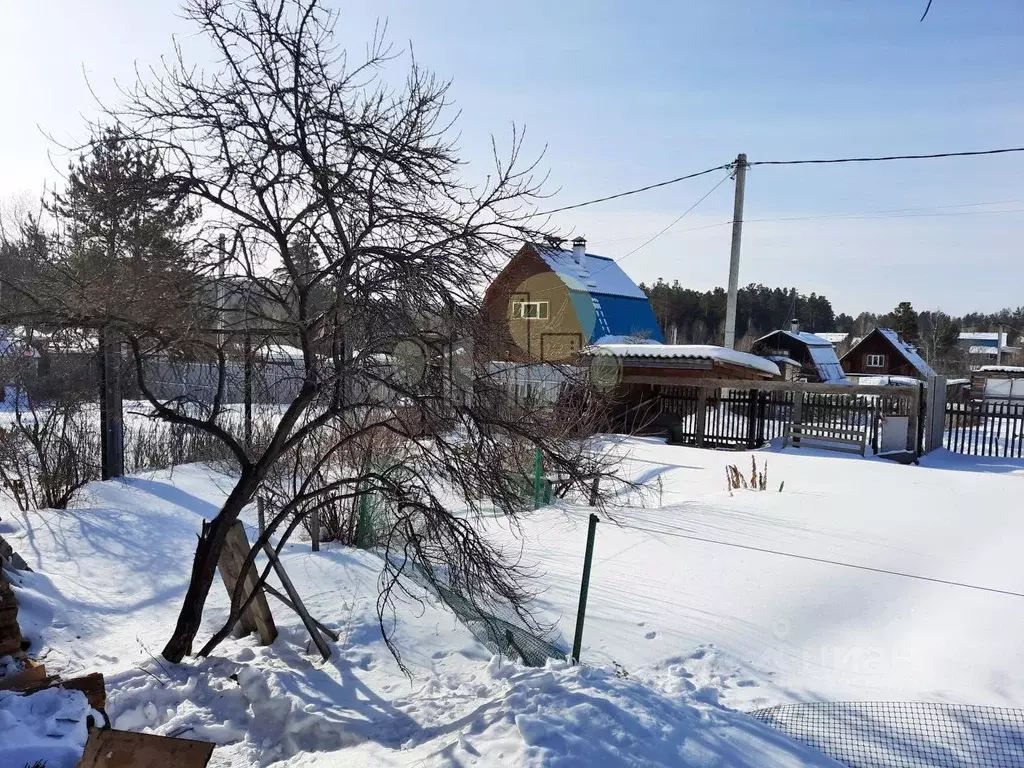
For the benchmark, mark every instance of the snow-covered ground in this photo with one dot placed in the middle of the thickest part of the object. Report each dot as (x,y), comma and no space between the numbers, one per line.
(680,633)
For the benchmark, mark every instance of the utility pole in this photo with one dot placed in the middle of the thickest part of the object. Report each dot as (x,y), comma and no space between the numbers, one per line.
(999,346)
(734,255)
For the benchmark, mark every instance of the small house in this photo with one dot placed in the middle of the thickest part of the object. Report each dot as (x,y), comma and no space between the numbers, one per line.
(549,303)
(883,353)
(801,356)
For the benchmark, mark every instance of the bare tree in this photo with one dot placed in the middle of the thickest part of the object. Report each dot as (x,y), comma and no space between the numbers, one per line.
(337,221)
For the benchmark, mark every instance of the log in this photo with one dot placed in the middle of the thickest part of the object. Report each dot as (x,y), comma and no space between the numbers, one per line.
(121,749)
(257,617)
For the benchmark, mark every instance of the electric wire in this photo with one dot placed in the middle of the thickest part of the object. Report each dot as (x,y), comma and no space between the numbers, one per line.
(825,561)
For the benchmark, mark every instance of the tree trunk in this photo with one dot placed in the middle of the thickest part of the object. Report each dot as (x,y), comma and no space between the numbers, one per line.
(204,568)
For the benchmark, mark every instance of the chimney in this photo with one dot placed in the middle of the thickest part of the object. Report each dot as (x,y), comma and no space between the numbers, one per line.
(579,249)
(794,325)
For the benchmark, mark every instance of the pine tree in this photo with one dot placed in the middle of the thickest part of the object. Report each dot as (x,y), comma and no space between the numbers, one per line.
(125,226)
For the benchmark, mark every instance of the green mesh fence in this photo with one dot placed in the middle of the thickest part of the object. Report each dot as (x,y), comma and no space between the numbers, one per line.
(499,630)
(904,734)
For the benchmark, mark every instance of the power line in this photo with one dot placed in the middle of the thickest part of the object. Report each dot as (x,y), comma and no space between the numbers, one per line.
(825,561)
(634,191)
(883,158)
(819,161)
(679,218)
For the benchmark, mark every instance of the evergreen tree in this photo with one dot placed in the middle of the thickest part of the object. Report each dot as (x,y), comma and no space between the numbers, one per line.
(124,226)
(903,320)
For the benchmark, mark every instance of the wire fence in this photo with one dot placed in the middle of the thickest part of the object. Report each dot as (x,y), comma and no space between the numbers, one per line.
(889,734)
(505,634)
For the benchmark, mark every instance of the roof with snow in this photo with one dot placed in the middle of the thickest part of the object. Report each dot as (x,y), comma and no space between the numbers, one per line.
(600,289)
(1000,369)
(908,351)
(830,337)
(821,353)
(685,351)
(976,349)
(987,338)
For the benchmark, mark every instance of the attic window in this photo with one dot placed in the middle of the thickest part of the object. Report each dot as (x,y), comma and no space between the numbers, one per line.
(874,361)
(530,310)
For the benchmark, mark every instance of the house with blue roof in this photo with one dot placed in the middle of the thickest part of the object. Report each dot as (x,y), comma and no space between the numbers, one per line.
(548,304)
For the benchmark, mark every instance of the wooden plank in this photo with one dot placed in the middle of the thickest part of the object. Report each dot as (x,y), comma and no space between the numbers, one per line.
(10,644)
(20,680)
(257,617)
(700,416)
(92,685)
(784,386)
(121,749)
(298,606)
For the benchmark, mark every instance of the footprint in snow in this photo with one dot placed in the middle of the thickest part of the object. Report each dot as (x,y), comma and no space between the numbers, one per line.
(651,635)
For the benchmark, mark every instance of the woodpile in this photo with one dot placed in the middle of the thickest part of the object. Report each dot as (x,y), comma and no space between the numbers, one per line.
(106,748)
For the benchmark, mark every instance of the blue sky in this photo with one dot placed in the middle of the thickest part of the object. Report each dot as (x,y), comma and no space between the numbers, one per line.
(623,94)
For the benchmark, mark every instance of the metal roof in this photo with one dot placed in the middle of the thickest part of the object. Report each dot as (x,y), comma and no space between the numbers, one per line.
(606,300)
(691,351)
(594,274)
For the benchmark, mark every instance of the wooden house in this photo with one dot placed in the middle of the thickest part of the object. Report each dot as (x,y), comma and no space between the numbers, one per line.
(883,353)
(801,356)
(548,304)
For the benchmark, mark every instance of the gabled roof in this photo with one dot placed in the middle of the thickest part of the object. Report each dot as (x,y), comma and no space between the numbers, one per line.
(821,352)
(905,349)
(602,291)
(595,274)
(810,339)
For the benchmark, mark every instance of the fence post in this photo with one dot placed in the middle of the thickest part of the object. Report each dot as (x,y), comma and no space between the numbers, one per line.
(538,479)
(935,415)
(701,414)
(752,419)
(914,423)
(577,641)
(111,415)
(798,415)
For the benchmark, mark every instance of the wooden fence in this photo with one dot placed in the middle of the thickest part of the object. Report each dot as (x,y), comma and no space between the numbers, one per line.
(745,414)
(984,428)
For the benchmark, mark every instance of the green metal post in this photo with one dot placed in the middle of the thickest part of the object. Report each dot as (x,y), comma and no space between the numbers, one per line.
(584,587)
(538,479)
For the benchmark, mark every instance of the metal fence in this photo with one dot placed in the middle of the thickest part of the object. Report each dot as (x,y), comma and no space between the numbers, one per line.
(888,734)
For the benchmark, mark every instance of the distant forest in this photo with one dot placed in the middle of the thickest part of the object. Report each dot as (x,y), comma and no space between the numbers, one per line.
(698,317)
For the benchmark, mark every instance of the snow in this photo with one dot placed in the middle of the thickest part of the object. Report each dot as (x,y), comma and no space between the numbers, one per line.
(103,596)
(909,352)
(831,337)
(887,381)
(1000,369)
(677,351)
(49,725)
(681,635)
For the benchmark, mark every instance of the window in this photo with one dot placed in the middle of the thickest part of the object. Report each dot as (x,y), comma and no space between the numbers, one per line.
(530,310)
(874,361)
